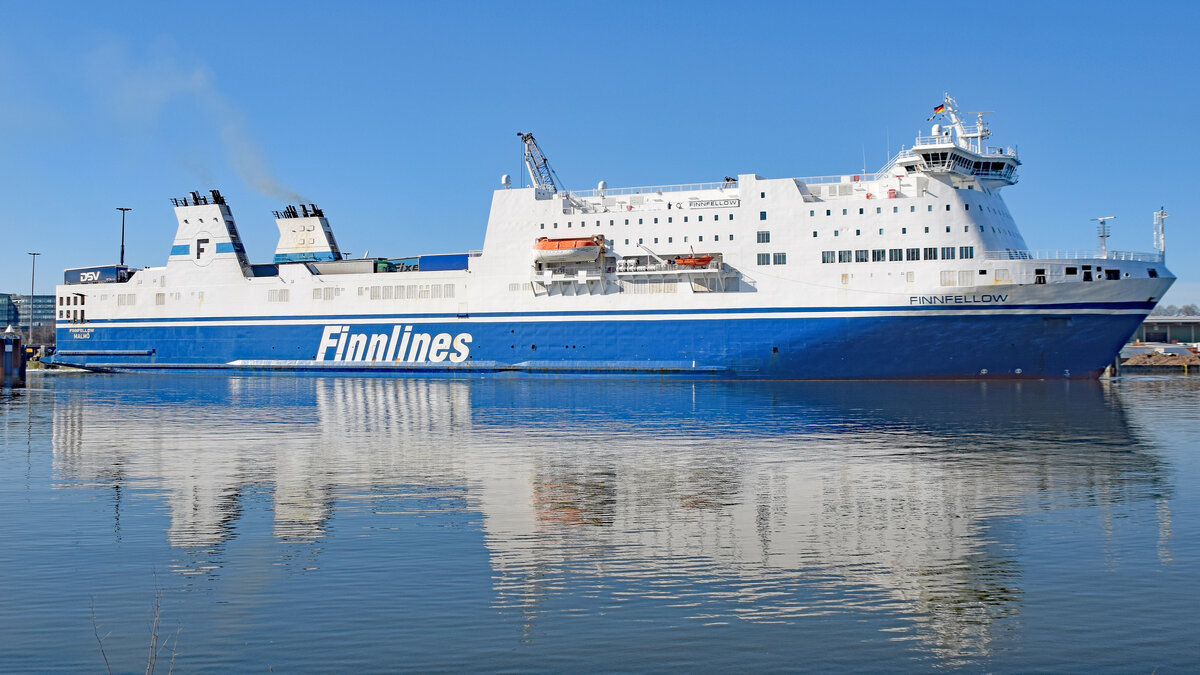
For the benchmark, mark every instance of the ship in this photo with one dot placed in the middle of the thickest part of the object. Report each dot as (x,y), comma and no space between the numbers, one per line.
(915,271)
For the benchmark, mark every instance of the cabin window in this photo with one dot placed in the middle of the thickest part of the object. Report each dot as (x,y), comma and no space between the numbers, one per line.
(881,230)
(764,258)
(626,242)
(895,209)
(700,238)
(700,219)
(827,256)
(912,254)
(780,259)
(931,253)
(858,233)
(904,230)
(568,223)
(947,253)
(912,209)
(555,226)
(639,221)
(879,255)
(860,255)
(947,207)
(762,195)
(1072,271)
(626,221)
(931,207)
(656,221)
(814,234)
(947,228)
(967,207)
(685,219)
(639,241)
(844,256)
(670,220)
(762,215)
(895,254)
(966,228)
(968,252)
(812,213)
(716,216)
(670,239)
(860,212)
(656,240)
(827,212)
(926,229)
(543,226)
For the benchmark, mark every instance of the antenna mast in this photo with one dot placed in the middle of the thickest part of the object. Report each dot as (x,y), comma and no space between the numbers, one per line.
(543,177)
(1160,235)
(1103,232)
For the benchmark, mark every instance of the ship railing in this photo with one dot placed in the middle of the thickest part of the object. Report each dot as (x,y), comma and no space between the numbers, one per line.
(1069,254)
(991,150)
(655,189)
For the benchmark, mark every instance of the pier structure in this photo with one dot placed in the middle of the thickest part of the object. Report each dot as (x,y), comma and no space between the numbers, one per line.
(12,359)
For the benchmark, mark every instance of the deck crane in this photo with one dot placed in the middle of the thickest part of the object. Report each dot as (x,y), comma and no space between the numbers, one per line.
(545,181)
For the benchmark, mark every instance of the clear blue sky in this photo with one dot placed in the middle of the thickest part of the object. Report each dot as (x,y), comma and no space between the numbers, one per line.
(398,119)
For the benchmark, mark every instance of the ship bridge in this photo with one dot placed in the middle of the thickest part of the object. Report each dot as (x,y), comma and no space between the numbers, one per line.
(956,150)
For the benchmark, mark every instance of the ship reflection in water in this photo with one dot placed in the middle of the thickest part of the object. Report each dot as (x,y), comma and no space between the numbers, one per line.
(715,502)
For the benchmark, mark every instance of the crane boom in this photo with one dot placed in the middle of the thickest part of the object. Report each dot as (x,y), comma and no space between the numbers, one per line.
(540,173)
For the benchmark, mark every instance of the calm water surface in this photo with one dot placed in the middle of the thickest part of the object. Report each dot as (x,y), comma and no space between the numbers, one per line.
(330,524)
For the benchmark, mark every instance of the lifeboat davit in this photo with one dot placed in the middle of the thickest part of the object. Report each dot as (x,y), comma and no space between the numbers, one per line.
(694,261)
(568,250)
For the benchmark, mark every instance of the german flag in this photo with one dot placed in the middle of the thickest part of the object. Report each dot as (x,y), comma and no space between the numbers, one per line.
(937,111)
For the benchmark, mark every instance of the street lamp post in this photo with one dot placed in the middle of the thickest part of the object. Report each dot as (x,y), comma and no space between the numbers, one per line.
(123,209)
(32,276)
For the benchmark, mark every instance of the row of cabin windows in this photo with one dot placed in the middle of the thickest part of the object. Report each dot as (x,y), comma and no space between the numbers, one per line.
(671,240)
(903,230)
(897,254)
(75,315)
(71,300)
(772,258)
(640,221)
(896,209)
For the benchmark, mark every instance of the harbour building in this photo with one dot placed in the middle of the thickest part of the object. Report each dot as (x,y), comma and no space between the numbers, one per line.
(15,311)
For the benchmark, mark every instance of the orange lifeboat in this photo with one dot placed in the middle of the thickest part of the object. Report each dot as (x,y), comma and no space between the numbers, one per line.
(694,261)
(568,250)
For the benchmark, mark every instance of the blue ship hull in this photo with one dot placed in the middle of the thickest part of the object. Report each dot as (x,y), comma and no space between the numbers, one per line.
(874,345)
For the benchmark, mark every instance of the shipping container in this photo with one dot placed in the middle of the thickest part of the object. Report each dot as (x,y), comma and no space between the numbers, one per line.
(443,263)
(103,274)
